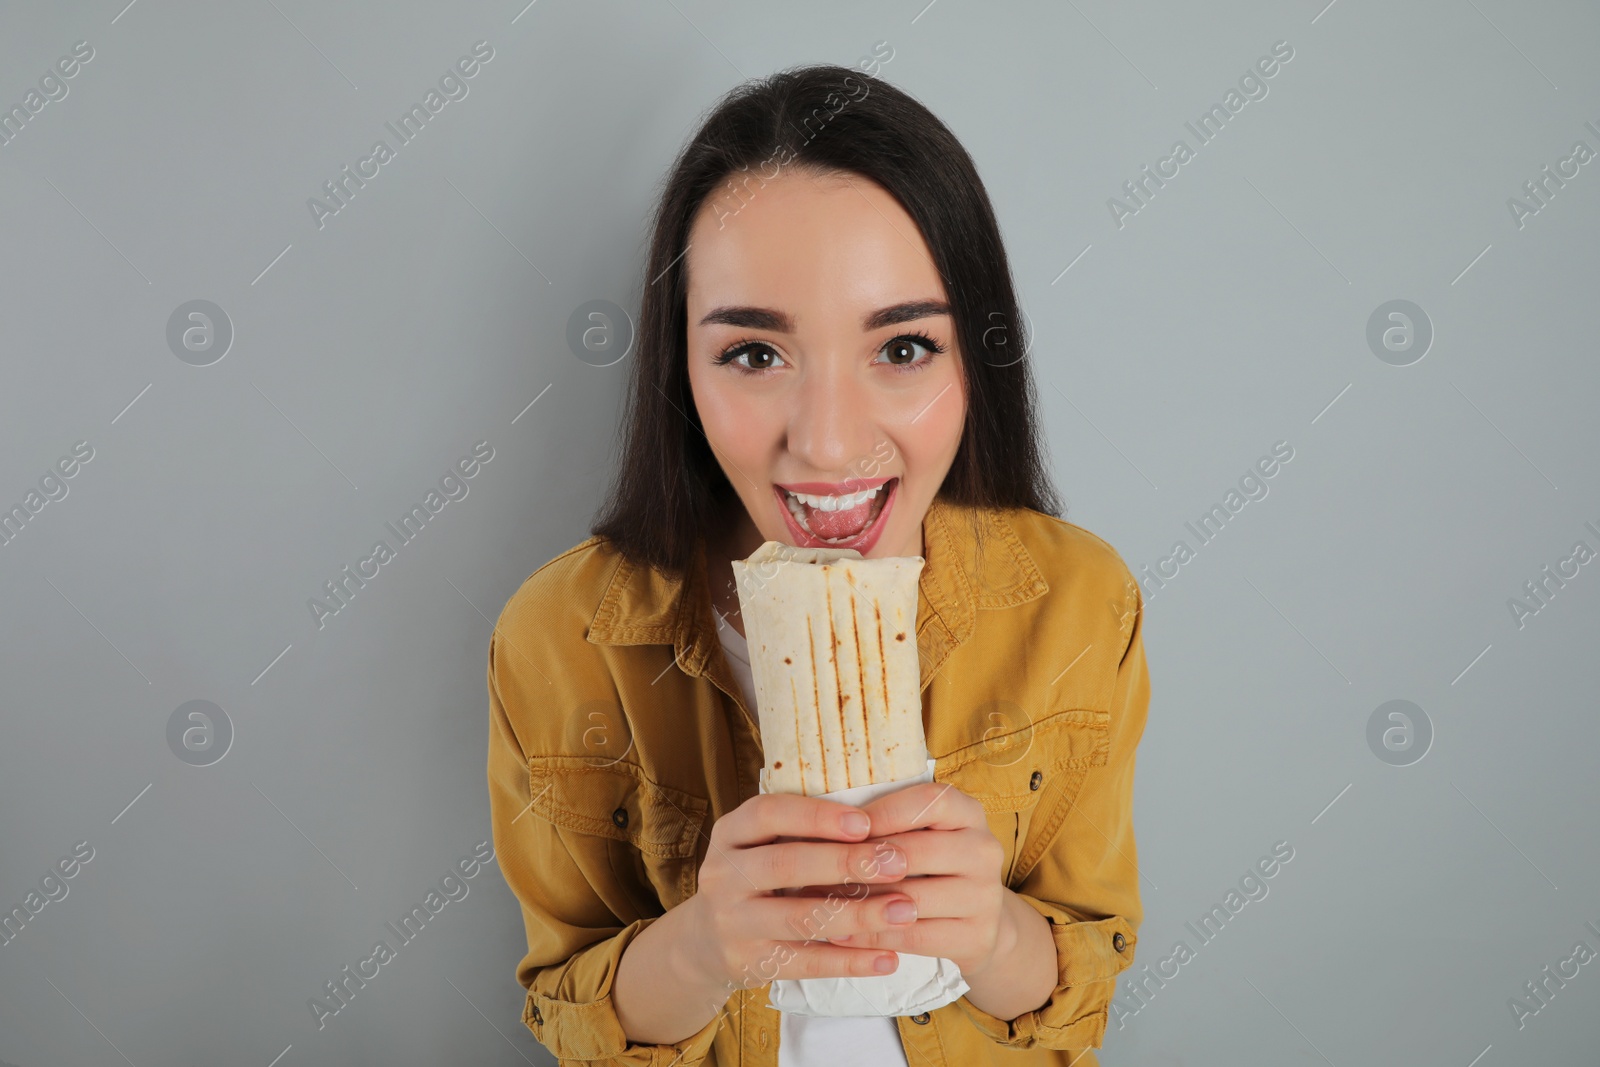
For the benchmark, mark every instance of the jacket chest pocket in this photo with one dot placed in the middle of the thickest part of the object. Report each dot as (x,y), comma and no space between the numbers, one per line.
(1025,777)
(629,826)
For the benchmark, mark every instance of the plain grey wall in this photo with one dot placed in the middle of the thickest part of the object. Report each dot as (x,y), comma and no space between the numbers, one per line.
(1177,340)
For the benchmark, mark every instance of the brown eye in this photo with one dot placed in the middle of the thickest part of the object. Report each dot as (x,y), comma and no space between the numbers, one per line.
(745,355)
(902,351)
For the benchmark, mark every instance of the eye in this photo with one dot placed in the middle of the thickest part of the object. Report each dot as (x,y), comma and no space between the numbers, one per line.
(902,351)
(755,350)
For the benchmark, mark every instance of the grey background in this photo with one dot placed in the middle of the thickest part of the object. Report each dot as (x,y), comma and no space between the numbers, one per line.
(369,355)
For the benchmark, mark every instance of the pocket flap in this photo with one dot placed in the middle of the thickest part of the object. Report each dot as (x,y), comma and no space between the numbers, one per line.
(618,801)
(999,769)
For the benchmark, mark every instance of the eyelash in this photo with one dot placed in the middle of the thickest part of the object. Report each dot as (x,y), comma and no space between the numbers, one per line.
(934,349)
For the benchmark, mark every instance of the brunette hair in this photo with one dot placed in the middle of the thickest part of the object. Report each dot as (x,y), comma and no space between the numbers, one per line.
(668,488)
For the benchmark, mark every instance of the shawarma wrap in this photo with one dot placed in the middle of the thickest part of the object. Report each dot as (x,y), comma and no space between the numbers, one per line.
(832,640)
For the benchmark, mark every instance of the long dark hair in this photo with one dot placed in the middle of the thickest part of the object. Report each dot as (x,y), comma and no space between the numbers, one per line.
(669,489)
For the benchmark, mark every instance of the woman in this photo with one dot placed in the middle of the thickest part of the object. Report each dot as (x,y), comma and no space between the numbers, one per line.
(828,354)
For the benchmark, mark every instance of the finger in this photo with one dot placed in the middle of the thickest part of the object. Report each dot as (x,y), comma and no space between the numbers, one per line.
(925,937)
(846,889)
(938,805)
(972,851)
(821,918)
(766,817)
(939,897)
(802,863)
(817,959)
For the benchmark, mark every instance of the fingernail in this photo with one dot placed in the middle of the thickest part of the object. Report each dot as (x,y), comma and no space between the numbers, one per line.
(901,911)
(855,823)
(884,964)
(894,863)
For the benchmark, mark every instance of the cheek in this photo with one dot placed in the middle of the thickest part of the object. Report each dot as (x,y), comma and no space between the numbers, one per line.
(740,423)
(732,419)
(713,403)
(932,439)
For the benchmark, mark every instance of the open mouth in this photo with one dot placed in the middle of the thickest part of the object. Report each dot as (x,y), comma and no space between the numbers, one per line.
(853,520)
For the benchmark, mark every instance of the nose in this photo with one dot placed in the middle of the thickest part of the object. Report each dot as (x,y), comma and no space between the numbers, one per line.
(831,427)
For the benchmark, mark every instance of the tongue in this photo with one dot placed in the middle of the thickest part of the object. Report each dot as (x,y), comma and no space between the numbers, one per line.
(836,524)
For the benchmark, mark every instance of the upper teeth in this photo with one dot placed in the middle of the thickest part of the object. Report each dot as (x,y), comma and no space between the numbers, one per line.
(835,503)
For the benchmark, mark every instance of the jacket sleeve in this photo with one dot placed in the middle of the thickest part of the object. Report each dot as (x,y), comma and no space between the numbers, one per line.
(575,940)
(1087,883)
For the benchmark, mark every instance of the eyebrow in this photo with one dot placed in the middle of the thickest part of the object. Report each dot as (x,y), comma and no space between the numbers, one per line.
(754,318)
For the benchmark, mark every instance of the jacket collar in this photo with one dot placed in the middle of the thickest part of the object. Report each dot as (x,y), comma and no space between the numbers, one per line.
(643,606)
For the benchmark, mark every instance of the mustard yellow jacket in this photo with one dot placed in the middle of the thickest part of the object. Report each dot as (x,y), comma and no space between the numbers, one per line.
(618,735)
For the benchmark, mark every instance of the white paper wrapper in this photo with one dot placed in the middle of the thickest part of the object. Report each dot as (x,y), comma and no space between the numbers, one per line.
(919,984)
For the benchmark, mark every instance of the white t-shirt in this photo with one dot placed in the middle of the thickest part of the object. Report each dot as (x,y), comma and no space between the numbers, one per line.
(806,1040)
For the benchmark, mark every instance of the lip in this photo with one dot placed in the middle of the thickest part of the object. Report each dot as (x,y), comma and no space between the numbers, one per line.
(844,488)
(864,541)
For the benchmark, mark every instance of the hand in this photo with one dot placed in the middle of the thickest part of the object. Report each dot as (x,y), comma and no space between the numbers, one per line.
(742,932)
(961,912)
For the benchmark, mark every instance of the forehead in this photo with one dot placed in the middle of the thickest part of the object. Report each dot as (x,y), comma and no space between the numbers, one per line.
(831,245)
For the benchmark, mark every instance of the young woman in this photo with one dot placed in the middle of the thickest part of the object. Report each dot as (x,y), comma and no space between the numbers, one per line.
(829,354)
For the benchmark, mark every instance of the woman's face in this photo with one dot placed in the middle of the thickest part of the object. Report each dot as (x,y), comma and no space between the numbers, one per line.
(823,362)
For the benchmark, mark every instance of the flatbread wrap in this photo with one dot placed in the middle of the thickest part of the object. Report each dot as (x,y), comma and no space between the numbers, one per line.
(832,640)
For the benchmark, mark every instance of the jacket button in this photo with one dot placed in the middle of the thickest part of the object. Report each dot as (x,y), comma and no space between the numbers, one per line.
(920,1020)
(620,817)
(1118,942)
(1034,782)
(537,1017)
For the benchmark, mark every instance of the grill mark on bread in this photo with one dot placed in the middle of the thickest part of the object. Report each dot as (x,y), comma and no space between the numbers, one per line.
(883,666)
(798,751)
(816,703)
(866,727)
(838,682)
